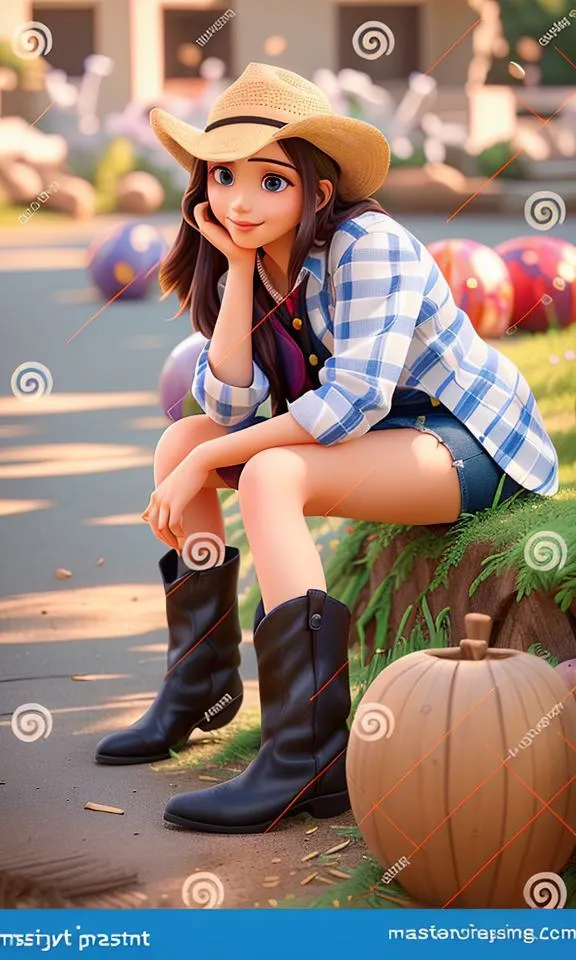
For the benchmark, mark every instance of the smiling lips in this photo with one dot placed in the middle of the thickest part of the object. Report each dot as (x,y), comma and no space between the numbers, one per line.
(244,224)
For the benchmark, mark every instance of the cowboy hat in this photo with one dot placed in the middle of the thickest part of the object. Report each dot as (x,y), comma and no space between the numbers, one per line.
(266,104)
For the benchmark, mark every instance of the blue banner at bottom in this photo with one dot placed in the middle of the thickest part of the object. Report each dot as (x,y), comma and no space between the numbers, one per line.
(282,934)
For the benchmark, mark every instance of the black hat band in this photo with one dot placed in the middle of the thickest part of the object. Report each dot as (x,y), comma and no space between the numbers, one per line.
(223,123)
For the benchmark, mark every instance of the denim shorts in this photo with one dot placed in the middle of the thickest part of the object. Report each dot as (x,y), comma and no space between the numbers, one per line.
(478,473)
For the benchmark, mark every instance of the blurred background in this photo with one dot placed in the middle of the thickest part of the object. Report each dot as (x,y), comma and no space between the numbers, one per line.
(478,101)
(456,85)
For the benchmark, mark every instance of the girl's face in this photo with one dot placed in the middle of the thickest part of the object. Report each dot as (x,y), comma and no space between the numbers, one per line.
(258,199)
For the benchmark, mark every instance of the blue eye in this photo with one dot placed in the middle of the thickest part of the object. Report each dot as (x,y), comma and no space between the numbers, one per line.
(226,172)
(278,183)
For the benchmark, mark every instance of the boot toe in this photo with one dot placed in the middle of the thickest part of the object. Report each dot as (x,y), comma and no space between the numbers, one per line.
(201,809)
(218,809)
(128,746)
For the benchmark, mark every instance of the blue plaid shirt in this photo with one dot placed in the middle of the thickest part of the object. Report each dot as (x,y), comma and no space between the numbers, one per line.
(379,303)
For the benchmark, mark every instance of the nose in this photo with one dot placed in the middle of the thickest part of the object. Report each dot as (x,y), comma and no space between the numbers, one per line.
(240,207)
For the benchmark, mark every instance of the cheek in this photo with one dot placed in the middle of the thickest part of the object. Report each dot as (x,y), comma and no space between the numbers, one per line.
(217,200)
(287,205)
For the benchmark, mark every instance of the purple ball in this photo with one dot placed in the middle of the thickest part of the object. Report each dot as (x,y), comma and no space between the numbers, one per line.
(176,378)
(127,256)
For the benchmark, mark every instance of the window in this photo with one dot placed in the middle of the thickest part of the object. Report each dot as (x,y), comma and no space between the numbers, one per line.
(403,21)
(72,30)
(182,55)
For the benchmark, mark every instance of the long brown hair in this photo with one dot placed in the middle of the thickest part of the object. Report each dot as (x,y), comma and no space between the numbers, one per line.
(193,266)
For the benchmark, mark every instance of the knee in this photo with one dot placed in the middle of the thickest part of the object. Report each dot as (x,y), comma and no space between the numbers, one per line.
(180,438)
(272,474)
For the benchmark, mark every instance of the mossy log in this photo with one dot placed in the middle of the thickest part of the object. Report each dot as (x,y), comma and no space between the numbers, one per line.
(536,618)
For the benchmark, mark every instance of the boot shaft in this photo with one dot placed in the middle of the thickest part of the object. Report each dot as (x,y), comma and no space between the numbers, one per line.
(203,604)
(302,652)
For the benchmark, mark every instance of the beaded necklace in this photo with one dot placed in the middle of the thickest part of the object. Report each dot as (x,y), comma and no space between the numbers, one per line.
(265,280)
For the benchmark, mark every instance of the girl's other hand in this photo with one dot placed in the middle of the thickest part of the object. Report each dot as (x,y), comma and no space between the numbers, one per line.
(171,497)
(219,237)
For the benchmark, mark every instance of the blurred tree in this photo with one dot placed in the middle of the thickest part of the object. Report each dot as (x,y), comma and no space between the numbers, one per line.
(490,160)
(533,18)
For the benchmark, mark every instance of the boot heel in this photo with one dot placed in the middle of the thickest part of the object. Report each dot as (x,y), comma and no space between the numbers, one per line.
(331,806)
(224,716)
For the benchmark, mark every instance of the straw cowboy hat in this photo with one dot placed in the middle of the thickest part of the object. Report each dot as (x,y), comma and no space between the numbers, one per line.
(268,103)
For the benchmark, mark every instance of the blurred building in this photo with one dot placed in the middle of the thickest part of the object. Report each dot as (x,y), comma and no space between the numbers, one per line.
(153,43)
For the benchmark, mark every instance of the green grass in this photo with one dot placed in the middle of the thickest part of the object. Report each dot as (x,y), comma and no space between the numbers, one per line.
(553,387)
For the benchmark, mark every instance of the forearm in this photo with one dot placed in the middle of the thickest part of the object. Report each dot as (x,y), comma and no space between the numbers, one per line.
(230,352)
(238,447)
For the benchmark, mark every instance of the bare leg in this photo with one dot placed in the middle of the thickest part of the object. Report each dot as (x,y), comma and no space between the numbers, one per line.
(203,514)
(392,476)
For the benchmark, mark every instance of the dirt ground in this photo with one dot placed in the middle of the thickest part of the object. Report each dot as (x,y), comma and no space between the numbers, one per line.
(46,784)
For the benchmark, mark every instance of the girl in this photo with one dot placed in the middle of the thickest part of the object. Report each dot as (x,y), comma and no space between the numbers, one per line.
(386,405)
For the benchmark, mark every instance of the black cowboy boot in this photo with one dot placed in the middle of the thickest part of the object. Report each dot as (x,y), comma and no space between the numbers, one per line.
(302,652)
(202,686)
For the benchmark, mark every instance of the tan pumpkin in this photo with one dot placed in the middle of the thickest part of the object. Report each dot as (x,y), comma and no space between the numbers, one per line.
(453,755)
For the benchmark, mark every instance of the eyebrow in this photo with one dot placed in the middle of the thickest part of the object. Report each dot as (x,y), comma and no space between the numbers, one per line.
(278,163)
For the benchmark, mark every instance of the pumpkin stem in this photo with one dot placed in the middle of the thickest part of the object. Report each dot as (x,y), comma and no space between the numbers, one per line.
(478,626)
(473,649)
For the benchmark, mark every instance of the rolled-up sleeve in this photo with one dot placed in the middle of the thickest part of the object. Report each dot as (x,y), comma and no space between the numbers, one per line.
(223,402)
(378,288)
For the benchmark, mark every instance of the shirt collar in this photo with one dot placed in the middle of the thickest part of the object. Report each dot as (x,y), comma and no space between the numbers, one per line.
(315,263)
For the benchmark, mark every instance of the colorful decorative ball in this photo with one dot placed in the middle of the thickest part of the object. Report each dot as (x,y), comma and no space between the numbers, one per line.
(479,281)
(543,273)
(448,750)
(123,262)
(176,378)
